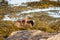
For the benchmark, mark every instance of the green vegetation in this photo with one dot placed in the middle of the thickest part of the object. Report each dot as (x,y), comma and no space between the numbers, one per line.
(42,22)
(6,27)
(43,4)
(7,9)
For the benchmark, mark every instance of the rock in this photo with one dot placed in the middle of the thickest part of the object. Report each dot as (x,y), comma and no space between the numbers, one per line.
(31,35)
(23,34)
(55,37)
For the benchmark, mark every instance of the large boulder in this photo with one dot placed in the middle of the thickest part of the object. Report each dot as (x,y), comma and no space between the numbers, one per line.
(30,35)
(55,37)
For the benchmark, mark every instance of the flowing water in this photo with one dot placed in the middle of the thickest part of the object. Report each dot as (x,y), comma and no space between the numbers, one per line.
(52,11)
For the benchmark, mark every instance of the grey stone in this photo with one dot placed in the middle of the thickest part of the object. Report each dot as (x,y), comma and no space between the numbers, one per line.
(32,35)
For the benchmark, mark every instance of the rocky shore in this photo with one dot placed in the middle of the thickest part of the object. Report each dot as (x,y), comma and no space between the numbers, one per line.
(33,35)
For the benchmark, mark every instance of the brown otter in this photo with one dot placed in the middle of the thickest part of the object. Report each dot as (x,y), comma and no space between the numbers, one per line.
(30,22)
(27,22)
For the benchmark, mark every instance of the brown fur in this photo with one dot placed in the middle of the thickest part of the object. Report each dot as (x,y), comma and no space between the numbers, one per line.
(24,23)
